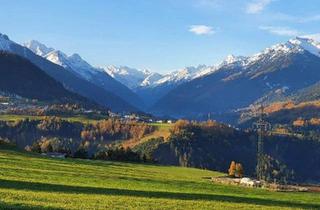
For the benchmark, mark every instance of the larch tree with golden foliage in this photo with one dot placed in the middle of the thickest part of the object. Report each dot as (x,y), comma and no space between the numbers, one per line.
(232,169)
(239,170)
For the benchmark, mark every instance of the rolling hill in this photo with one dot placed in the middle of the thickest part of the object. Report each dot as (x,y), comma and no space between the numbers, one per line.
(30,181)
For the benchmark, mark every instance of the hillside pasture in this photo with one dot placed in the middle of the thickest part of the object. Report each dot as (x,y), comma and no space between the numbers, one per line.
(29,181)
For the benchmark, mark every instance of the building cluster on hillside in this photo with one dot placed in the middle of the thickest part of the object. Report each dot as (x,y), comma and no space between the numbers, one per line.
(125,117)
(13,103)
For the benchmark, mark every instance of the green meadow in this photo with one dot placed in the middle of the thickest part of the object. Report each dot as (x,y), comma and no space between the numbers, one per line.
(14,118)
(30,181)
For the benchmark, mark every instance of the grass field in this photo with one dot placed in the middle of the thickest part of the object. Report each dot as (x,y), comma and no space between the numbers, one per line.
(30,181)
(13,118)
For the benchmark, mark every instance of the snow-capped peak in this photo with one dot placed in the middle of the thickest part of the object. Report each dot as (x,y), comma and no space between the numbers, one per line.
(73,62)
(182,75)
(233,60)
(307,44)
(292,46)
(151,79)
(38,48)
(130,77)
(57,57)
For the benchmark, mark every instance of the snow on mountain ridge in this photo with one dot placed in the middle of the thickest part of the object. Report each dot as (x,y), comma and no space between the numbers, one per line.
(294,45)
(151,79)
(179,76)
(130,77)
(38,48)
(57,57)
(134,78)
(307,44)
(73,62)
(232,59)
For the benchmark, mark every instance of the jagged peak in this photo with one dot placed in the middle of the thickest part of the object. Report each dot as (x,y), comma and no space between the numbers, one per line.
(232,59)
(58,53)
(307,44)
(38,48)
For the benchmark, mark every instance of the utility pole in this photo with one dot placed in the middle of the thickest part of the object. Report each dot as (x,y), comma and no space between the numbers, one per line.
(261,127)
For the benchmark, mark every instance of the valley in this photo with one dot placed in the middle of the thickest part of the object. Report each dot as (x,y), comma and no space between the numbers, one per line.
(133,128)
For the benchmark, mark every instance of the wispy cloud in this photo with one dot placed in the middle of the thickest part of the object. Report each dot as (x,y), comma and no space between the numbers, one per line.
(257,6)
(281,31)
(313,36)
(293,18)
(201,29)
(309,18)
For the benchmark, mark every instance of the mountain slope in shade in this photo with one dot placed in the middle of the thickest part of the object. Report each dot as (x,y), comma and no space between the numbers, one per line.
(19,76)
(70,80)
(77,65)
(286,67)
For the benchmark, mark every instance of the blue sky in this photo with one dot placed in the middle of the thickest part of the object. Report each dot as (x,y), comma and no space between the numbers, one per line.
(161,35)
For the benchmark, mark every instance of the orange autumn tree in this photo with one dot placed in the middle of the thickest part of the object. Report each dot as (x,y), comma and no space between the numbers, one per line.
(236,170)
(232,169)
(239,170)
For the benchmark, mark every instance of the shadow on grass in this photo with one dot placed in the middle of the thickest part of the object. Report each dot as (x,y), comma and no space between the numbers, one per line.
(8,206)
(20,185)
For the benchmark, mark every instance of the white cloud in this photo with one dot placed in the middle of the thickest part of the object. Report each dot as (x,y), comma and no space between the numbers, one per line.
(257,6)
(201,30)
(281,31)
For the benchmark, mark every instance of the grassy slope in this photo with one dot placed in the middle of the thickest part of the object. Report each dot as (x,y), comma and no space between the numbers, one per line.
(31,182)
(6,117)
(161,130)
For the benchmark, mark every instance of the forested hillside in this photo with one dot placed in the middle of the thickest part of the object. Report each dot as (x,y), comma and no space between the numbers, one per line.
(207,145)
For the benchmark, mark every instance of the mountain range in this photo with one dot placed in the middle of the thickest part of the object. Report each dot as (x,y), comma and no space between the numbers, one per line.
(286,71)
(273,74)
(72,81)
(282,72)
(75,64)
